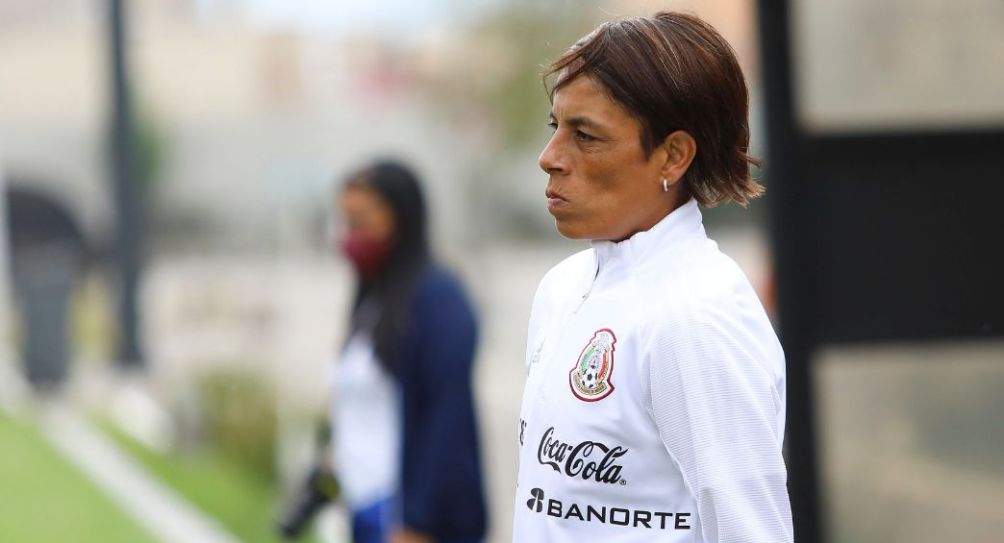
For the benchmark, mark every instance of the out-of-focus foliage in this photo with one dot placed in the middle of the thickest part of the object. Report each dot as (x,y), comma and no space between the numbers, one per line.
(534,35)
(238,417)
(498,78)
(151,149)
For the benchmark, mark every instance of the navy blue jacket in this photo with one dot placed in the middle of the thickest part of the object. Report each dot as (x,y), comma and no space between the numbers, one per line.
(441,485)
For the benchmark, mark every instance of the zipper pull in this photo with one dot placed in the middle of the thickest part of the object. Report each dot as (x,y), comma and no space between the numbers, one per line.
(583,300)
(536,353)
(589,291)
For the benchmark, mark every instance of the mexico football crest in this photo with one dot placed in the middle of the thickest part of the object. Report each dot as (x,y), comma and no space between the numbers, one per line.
(590,376)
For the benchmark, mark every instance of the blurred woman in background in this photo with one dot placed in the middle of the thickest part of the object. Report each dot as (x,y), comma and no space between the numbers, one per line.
(404,431)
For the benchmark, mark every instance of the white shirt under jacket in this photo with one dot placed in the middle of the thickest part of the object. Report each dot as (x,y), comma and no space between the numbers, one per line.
(654,403)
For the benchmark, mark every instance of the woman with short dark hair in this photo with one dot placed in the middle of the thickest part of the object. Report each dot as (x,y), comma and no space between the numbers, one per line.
(654,403)
(405,433)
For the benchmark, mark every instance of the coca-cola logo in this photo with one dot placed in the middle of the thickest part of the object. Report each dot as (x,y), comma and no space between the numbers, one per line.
(588,460)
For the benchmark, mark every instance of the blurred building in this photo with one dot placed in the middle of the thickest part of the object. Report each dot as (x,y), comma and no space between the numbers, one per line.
(246,120)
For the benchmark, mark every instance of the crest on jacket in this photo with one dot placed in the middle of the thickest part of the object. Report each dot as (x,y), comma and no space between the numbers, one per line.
(590,376)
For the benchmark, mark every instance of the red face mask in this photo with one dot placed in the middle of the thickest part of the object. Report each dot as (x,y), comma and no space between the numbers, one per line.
(368,255)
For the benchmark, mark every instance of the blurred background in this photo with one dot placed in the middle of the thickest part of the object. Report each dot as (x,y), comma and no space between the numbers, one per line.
(169,169)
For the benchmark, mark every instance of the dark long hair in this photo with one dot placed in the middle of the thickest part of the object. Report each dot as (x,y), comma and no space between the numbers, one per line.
(390,291)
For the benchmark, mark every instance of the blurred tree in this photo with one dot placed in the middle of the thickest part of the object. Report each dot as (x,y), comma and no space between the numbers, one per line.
(490,86)
(151,146)
(498,78)
(534,35)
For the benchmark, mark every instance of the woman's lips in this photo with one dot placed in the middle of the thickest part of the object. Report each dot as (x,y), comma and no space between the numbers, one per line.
(554,201)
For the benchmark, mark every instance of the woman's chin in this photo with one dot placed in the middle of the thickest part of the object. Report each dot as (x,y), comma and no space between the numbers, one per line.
(571,230)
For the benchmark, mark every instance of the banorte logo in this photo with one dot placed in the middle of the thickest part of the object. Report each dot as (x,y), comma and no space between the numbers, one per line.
(536,501)
(617,516)
(588,460)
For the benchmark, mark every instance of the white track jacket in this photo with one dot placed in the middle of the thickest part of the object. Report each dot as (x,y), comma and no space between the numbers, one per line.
(654,403)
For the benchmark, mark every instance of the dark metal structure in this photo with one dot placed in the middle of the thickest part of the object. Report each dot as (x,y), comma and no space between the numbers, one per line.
(878,237)
(126,190)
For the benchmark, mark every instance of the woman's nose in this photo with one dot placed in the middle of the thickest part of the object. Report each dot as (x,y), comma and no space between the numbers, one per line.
(550,159)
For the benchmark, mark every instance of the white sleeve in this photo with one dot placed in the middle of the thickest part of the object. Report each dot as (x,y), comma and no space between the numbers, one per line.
(716,408)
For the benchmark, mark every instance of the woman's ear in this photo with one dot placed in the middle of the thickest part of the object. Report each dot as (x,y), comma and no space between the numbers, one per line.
(680,149)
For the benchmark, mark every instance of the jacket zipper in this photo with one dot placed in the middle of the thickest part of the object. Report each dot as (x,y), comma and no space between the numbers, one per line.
(582,301)
(589,291)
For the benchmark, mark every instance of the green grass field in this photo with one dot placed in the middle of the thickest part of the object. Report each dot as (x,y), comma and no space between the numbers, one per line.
(244,502)
(44,498)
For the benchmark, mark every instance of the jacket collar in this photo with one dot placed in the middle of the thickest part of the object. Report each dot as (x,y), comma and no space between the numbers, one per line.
(680,226)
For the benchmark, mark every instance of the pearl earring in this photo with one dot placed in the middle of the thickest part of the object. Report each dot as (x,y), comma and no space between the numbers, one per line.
(665,185)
